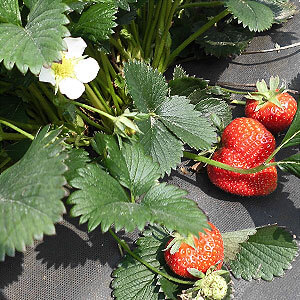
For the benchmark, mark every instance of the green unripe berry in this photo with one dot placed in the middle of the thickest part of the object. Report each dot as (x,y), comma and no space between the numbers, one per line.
(213,287)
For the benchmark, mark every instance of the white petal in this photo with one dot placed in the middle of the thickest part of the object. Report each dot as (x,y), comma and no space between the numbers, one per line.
(75,47)
(47,75)
(71,87)
(86,69)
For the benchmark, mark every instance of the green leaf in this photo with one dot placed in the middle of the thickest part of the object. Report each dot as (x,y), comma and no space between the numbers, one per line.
(130,166)
(251,13)
(101,200)
(184,86)
(124,4)
(170,289)
(168,115)
(209,92)
(266,254)
(292,137)
(179,72)
(112,158)
(291,164)
(143,172)
(77,158)
(97,22)
(30,3)
(39,42)
(146,86)
(134,281)
(169,207)
(30,194)
(77,5)
(225,41)
(186,123)
(9,12)
(232,242)
(161,144)
(210,106)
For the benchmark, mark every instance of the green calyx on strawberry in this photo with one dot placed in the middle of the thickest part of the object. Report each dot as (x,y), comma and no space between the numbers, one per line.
(273,107)
(201,253)
(246,144)
(264,95)
(212,286)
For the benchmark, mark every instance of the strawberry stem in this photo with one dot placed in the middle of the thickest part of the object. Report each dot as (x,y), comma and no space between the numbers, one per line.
(280,147)
(228,167)
(125,246)
(240,102)
(28,135)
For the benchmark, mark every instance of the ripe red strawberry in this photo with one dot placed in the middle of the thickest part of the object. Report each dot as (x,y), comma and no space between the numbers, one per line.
(195,253)
(246,144)
(274,108)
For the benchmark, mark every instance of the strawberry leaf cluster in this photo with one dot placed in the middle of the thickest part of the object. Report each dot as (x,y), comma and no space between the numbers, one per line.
(127,194)
(173,119)
(39,42)
(28,211)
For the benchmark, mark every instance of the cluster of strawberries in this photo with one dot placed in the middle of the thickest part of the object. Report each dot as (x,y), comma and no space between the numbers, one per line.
(246,143)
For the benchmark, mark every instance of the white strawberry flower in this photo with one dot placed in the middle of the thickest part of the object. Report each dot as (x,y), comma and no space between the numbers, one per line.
(69,75)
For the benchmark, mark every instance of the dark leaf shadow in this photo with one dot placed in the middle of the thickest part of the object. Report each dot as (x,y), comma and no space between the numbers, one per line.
(2,297)
(73,246)
(283,38)
(295,83)
(10,270)
(210,69)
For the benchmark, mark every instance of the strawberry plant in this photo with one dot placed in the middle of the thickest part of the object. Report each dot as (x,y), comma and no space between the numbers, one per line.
(89,126)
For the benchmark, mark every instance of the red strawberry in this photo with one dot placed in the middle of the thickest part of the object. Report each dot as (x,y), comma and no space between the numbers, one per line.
(195,253)
(274,108)
(246,144)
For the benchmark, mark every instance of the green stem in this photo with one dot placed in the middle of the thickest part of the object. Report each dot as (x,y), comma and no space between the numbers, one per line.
(241,102)
(105,63)
(93,98)
(48,109)
(227,167)
(117,44)
(100,112)
(195,35)
(6,161)
(234,92)
(45,90)
(280,147)
(40,116)
(97,92)
(11,136)
(26,126)
(28,135)
(89,121)
(135,33)
(152,29)
(161,41)
(201,4)
(148,22)
(31,113)
(149,266)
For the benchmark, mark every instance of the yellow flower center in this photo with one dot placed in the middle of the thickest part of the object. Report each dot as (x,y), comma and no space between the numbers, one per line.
(65,69)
